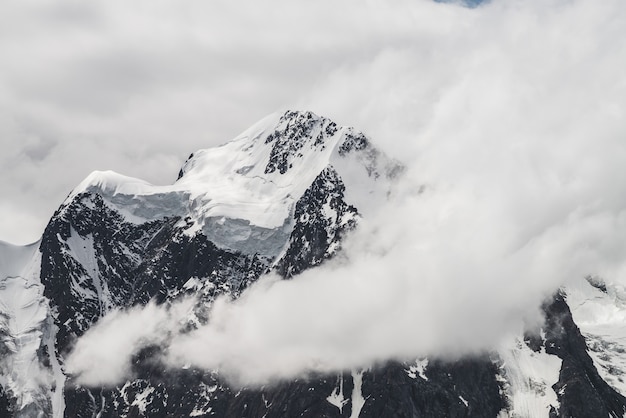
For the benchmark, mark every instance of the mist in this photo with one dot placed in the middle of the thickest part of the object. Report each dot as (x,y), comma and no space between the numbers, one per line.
(510,120)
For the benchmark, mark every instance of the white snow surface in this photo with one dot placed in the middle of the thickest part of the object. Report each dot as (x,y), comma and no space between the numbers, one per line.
(529,376)
(14,258)
(142,400)
(601,317)
(24,310)
(336,397)
(56,396)
(418,369)
(82,249)
(227,194)
(358,401)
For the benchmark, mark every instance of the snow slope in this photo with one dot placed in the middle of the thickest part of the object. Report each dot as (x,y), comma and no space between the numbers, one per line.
(14,258)
(529,377)
(23,311)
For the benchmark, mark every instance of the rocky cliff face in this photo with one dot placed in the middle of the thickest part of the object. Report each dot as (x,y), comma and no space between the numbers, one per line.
(280,197)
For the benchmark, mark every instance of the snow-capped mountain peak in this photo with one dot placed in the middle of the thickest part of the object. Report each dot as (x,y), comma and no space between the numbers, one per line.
(248,187)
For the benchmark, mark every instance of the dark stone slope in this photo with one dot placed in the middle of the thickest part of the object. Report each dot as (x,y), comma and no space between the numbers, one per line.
(580,390)
(6,409)
(132,264)
(388,391)
(466,388)
(316,236)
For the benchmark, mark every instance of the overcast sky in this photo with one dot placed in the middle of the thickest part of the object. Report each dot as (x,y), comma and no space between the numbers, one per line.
(137,86)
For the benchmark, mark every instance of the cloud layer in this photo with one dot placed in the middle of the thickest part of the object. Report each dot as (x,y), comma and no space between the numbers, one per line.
(511,114)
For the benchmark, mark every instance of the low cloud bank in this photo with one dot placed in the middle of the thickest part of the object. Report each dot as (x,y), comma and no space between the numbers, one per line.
(510,120)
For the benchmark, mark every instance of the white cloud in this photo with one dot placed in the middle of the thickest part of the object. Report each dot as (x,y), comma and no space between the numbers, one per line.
(103,355)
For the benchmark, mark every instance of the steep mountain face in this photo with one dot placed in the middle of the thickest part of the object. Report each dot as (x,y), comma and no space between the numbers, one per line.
(279,197)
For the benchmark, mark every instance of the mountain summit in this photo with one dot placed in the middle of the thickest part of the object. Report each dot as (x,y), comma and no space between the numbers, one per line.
(278,198)
(242,194)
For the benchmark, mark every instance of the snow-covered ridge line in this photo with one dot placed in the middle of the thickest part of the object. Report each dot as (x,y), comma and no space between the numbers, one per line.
(248,186)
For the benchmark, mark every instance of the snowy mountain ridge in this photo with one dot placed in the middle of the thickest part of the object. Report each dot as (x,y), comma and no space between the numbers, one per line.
(245,190)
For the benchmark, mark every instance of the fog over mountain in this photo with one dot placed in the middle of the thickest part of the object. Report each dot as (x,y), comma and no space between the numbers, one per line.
(463,260)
